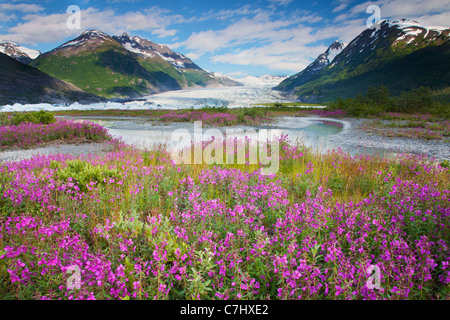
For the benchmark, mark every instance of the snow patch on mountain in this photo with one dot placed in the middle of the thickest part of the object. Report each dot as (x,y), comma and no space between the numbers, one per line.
(410,30)
(18,52)
(150,49)
(86,36)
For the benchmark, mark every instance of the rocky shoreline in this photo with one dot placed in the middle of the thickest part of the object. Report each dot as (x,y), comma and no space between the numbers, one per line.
(354,137)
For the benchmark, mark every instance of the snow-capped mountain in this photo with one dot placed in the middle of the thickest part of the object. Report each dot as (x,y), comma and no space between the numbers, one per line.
(88,40)
(403,36)
(124,66)
(224,80)
(265,80)
(411,30)
(321,62)
(395,54)
(18,52)
(150,49)
(328,56)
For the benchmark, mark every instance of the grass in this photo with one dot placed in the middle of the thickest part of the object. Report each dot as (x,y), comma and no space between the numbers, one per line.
(141,227)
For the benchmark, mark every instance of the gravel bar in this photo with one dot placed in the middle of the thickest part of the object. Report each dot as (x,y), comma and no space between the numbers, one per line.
(353,137)
(71,149)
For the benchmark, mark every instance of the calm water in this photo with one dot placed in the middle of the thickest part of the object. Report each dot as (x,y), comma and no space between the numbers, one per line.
(312,132)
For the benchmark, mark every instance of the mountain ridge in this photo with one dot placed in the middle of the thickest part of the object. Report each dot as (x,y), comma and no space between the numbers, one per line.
(314,68)
(123,67)
(18,52)
(367,57)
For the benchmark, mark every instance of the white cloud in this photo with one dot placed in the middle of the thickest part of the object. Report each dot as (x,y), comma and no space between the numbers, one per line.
(289,55)
(280,2)
(237,74)
(341,6)
(442,19)
(52,28)
(5,17)
(258,57)
(398,9)
(401,8)
(22,7)
(190,55)
(285,44)
(227,14)
(259,29)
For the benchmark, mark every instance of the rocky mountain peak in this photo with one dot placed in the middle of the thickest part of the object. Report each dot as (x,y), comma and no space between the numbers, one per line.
(18,52)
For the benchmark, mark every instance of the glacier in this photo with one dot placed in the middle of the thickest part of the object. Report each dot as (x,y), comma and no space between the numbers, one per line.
(232,97)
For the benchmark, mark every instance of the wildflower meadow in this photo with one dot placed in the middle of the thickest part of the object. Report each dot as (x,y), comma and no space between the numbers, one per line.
(134,225)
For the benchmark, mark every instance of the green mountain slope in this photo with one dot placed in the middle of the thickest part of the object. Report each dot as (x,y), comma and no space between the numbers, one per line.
(401,55)
(177,65)
(20,83)
(98,64)
(121,66)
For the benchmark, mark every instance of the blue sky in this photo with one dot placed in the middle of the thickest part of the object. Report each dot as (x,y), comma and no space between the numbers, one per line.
(234,37)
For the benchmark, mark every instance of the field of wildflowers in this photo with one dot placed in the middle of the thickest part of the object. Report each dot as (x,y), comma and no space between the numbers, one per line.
(27,135)
(140,227)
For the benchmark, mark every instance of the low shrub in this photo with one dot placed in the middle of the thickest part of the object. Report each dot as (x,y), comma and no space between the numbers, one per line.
(39,117)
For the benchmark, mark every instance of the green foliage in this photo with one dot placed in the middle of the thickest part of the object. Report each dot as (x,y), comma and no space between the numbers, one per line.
(214,109)
(378,95)
(39,117)
(5,120)
(415,100)
(445,164)
(378,100)
(196,77)
(108,71)
(400,68)
(337,184)
(82,173)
